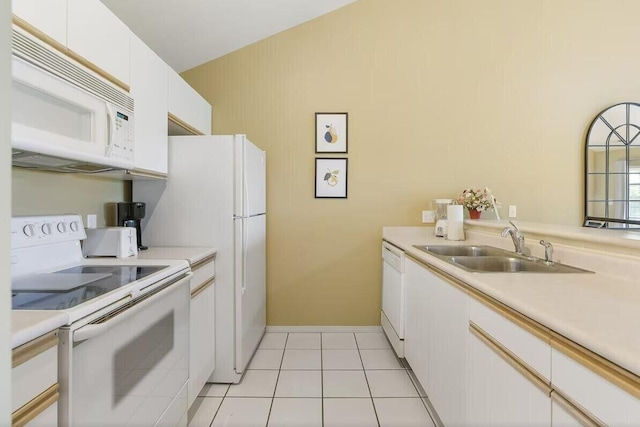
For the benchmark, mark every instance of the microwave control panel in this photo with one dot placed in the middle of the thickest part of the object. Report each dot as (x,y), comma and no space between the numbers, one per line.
(121,146)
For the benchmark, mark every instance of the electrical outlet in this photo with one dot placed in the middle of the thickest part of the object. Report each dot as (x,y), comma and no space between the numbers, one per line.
(92,221)
(428,217)
(512,211)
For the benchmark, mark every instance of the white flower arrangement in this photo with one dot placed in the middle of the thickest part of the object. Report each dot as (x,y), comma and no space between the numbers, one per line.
(477,199)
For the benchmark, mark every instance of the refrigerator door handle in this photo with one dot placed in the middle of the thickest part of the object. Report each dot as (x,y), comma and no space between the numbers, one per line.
(245,232)
(245,187)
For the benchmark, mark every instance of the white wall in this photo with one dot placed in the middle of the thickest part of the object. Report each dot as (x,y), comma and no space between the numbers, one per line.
(5,213)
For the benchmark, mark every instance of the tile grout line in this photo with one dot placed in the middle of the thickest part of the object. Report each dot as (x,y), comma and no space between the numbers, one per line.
(422,398)
(284,349)
(366,379)
(220,405)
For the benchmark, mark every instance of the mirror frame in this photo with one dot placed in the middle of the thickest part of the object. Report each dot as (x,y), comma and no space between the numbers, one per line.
(632,136)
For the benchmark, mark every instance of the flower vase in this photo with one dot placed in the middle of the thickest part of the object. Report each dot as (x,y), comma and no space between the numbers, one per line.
(474,214)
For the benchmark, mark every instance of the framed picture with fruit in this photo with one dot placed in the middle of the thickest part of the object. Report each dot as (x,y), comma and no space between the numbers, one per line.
(331,178)
(331,132)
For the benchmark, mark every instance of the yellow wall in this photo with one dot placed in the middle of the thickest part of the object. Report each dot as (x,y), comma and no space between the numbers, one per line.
(43,193)
(441,95)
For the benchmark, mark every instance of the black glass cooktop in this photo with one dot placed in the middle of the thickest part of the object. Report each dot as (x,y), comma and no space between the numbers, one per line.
(73,286)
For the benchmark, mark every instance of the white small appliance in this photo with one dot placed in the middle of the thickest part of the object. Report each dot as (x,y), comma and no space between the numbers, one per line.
(392,317)
(64,116)
(120,242)
(455,222)
(441,216)
(216,197)
(123,355)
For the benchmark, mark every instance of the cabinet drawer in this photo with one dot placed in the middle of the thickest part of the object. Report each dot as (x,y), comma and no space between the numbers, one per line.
(595,394)
(47,414)
(35,369)
(530,345)
(202,272)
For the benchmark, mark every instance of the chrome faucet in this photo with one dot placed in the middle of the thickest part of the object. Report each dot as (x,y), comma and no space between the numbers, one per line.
(516,236)
(548,251)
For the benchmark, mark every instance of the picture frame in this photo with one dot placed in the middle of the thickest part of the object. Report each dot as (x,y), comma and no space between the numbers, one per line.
(331,178)
(332,132)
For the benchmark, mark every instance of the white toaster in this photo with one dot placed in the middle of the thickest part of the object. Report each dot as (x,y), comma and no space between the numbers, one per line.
(120,242)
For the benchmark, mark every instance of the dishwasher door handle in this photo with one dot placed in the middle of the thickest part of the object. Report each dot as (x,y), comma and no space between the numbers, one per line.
(93,330)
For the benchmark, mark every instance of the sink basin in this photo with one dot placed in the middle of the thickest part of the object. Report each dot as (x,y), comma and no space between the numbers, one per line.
(471,251)
(510,264)
(488,259)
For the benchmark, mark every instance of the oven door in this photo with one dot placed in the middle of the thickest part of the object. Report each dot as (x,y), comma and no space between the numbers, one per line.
(129,367)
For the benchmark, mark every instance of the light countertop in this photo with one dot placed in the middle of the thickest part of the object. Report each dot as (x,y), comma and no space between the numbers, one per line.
(30,324)
(599,311)
(191,254)
(27,325)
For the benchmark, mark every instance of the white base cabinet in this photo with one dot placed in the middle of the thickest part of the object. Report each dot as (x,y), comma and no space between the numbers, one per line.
(599,398)
(416,332)
(500,393)
(437,340)
(34,380)
(202,350)
(483,364)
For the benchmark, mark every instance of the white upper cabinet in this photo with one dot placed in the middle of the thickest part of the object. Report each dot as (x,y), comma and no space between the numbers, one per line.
(186,107)
(97,35)
(149,89)
(48,16)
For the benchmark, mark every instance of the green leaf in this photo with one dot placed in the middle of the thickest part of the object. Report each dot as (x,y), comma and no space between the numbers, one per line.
(336,172)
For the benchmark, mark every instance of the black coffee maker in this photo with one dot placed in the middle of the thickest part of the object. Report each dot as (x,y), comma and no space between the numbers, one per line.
(129,215)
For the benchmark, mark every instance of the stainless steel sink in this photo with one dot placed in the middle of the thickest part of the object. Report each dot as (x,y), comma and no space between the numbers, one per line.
(488,259)
(473,251)
(511,264)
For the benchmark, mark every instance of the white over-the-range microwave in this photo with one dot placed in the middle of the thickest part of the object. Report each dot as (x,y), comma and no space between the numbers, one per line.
(64,117)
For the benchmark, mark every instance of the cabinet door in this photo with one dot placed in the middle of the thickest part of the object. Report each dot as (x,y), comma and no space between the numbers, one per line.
(201,339)
(598,396)
(48,16)
(416,327)
(149,89)
(564,414)
(97,35)
(500,394)
(447,312)
(186,105)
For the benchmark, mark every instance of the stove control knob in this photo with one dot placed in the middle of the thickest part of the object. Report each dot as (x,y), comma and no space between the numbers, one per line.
(29,230)
(74,226)
(62,227)
(47,229)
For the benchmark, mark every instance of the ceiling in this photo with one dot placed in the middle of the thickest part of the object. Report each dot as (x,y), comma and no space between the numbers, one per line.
(187,33)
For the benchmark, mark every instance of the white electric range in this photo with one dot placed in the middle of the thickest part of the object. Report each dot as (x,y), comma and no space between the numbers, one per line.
(123,353)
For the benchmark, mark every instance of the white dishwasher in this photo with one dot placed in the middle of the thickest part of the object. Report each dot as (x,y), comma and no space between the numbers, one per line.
(392,316)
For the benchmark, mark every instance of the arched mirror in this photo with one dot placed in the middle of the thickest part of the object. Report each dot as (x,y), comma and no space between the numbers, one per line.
(612,160)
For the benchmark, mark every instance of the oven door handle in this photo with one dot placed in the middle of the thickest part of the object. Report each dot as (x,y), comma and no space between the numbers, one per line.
(93,330)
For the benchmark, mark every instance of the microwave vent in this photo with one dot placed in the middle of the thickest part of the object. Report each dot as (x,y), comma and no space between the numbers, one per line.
(52,61)
(25,159)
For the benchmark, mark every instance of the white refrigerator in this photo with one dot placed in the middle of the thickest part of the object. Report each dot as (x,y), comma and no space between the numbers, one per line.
(215,196)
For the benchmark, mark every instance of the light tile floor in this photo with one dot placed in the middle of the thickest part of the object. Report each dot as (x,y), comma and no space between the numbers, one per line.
(317,379)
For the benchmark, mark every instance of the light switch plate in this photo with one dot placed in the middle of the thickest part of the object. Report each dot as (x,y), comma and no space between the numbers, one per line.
(512,211)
